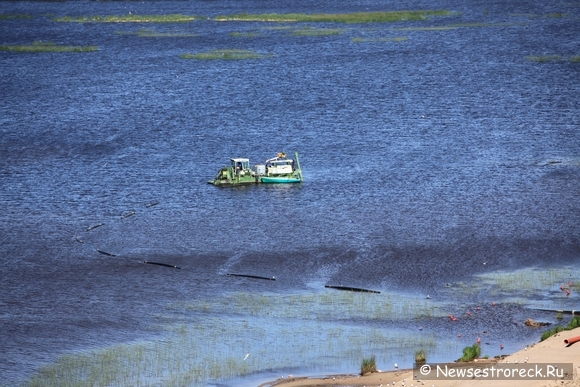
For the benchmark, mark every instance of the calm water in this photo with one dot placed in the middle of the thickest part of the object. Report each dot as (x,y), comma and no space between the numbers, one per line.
(423,156)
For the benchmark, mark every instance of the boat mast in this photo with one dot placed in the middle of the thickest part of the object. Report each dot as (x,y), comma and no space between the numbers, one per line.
(299,168)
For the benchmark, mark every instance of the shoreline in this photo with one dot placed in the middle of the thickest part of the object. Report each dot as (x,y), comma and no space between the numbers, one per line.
(551,350)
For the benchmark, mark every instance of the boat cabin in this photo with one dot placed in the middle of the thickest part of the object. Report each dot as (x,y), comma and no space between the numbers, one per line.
(279,165)
(240,165)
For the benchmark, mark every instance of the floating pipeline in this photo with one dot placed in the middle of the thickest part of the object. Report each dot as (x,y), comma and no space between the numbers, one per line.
(105,253)
(161,264)
(252,276)
(572,312)
(128,215)
(340,287)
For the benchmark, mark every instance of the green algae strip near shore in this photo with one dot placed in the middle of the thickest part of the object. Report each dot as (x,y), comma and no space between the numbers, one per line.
(145,33)
(375,40)
(553,58)
(201,341)
(317,31)
(11,16)
(130,18)
(230,54)
(357,17)
(48,47)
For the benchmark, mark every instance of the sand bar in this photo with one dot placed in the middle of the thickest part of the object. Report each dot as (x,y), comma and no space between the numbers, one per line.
(552,350)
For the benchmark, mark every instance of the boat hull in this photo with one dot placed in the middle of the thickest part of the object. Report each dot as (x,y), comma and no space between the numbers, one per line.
(228,182)
(279,180)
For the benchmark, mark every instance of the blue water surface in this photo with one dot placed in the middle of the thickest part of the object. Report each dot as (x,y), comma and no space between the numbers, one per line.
(428,147)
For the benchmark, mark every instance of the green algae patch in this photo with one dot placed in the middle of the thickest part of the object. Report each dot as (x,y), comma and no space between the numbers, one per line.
(225,55)
(358,17)
(466,25)
(48,47)
(317,31)
(10,16)
(459,25)
(553,58)
(245,34)
(553,15)
(146,33)
(545,58)
(378,40)
(433,28)
(130,18)
(534,287)
(276,28)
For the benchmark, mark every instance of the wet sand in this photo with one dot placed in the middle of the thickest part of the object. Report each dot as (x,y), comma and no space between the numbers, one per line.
(552,350)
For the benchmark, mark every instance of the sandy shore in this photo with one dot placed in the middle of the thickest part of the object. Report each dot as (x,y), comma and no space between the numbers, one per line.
(552,350)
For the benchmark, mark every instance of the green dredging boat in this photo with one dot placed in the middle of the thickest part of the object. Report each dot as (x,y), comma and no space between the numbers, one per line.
(277,170)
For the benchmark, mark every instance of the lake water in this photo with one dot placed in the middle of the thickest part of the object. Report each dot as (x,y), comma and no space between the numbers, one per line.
(441,158)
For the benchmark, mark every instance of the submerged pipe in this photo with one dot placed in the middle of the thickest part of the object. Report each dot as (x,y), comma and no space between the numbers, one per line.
(572,340)
(340,287)
(162,264)
(252,276)
(105,253)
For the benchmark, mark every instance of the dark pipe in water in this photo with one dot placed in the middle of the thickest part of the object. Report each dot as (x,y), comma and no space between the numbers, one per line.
(162,264)
(105,253)
(252,276)
(340,287)
(128,215)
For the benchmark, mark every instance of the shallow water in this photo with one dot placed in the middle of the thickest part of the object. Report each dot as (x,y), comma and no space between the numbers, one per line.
(423,158)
